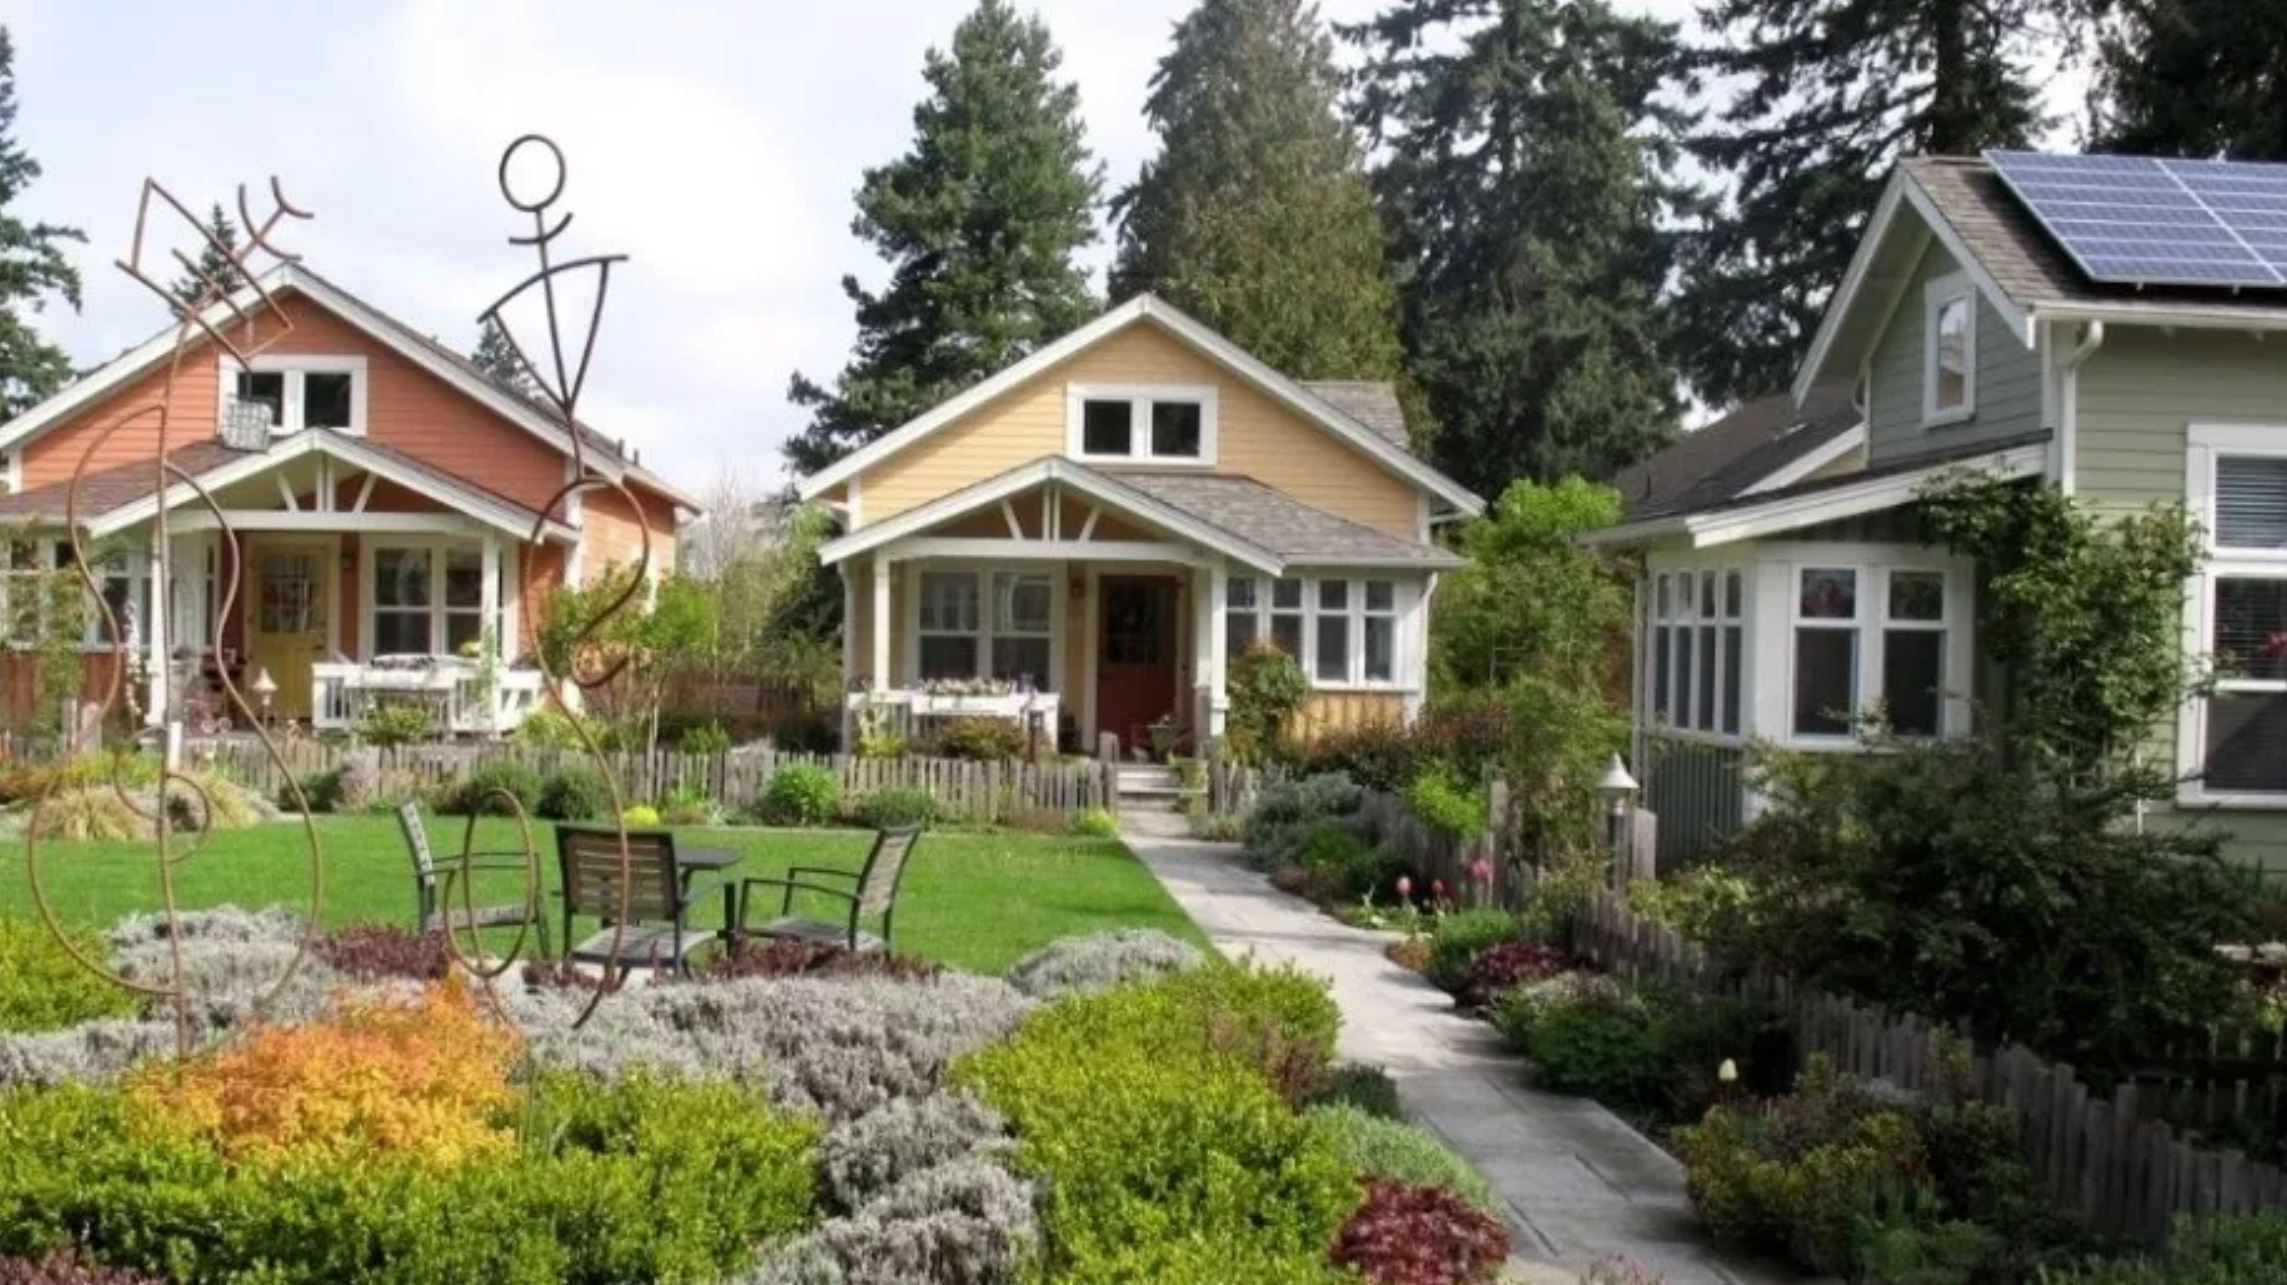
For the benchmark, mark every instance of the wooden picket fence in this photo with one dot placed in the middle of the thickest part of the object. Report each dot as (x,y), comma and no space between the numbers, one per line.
(987,793)
(1436,856)
(2102,1158)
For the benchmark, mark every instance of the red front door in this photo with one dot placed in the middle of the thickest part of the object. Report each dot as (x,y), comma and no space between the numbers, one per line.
(1135,663)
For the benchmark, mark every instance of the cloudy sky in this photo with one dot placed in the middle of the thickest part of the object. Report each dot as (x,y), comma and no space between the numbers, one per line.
(716,145)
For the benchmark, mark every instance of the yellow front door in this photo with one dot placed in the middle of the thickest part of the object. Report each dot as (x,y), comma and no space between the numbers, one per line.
(286,614)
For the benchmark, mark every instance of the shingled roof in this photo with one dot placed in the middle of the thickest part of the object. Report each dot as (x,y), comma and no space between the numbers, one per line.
(1371,402)
(1715,464)
(1278,522)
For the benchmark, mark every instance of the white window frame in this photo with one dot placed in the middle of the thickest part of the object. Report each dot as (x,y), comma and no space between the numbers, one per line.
(1872,624)
(1937,296)
(2207,446)
(1140,398)
(500,624)
(1672,683)
(50,558)
(294,366)
(1053,681)
(1405,601)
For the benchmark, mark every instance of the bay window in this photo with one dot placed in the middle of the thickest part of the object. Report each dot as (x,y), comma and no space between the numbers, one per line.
(2235,740)
(1871,637)
(1826,651)
(1697,637)
(1344,632)
(986,624)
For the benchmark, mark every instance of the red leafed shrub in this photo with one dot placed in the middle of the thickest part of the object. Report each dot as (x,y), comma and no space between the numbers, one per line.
(1420,1236)
(1508,965)
(756,957)
(373,951)
(64,1268)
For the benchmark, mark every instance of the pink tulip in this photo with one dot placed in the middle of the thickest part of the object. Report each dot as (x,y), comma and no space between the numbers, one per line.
(1481,870)
(1437,889)
(1405,887)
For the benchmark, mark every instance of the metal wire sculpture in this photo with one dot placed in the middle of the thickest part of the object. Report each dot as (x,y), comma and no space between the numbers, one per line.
(231,306)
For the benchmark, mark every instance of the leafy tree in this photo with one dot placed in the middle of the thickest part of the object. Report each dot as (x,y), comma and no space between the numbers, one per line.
(32,267)
(1831,94)
(2194,78)
(1525,172)
(1256,216)
(979,221)
(496,357)
(646,639)
(214,267)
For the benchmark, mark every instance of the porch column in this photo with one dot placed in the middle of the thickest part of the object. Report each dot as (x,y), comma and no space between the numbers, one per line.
(879,625)
(488,595)
(1207,642)
(1218,647)
(155,631)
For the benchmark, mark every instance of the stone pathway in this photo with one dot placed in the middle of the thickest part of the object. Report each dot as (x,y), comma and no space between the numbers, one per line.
(1579,1184)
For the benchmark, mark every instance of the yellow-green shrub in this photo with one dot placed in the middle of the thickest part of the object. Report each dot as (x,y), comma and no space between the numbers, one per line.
(42,987)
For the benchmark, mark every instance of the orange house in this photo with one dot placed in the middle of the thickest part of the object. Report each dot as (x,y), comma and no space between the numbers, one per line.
(386,498)
(1087,537)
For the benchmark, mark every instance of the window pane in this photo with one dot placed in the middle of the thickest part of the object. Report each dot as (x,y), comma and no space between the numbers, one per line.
(1731,640)
(1913,672)
(1239,633)
(1917,595)
(1333,649)
(400,633)
(1952,354)
(1381,649)
(1706,720)
(1286,635)
(949,602)
(1020,603)
(2251,626)
(1826,675)
(1683,593)
(1707,597)
(1683,677)
(1829,593)
(325,400)
(463,629)
(1381,595)
(2247,741)
(948,656)
(1660,652)
(1286,593)
(267,387)
(1106,428)
(1021,660)
(1239,591)
(2251,502)
(1175,429)
(401,579)
(1733,597)
(464,577)
(1660,597)
(1333,595)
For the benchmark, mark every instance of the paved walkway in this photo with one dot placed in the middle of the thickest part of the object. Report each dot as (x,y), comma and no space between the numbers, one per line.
(1579,1184)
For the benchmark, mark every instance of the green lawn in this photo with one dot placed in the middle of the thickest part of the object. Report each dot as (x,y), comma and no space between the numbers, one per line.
(976,901)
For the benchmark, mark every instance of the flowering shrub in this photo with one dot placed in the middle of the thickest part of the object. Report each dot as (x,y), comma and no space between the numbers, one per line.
(426,1078)
(1100,960)
(42,987)
(1505,966)
(1420,1236)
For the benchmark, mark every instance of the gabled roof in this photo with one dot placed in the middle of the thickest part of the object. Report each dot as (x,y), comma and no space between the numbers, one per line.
(1312,407)
(117,498)
(1238,517)
(1756,446)
(421,350)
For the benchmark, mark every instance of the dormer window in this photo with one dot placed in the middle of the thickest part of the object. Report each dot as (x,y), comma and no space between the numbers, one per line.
(1949,351)
(296,392)
(1144,424)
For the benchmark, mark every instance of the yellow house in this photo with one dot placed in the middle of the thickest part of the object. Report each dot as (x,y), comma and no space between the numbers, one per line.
(1086,538)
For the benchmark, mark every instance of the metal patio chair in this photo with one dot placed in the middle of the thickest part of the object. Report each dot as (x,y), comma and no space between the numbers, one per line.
(873,891)
(433,887)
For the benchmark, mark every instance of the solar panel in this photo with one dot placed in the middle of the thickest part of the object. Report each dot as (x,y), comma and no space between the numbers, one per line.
(2142,220)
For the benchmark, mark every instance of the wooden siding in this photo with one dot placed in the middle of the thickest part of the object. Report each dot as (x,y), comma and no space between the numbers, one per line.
(611,533)
(1258,438)
(2008,377)
(20,685)
(1343,711)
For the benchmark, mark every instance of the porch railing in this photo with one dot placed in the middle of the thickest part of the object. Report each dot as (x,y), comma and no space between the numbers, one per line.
(907,713)
(461,698)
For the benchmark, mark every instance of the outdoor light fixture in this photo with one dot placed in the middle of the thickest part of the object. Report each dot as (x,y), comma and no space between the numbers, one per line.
(1618,788)
(265,690)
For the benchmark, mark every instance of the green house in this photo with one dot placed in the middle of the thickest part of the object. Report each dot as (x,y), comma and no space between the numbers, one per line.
(1782,583)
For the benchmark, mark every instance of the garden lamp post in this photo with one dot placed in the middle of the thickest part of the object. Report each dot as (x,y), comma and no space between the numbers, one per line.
(1618,789)
(265,691)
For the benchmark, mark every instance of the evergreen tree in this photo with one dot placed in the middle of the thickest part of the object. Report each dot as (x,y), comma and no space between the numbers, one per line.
(32,266)
(979,221)
(215,270)
(1831,94)
(1526,173)
(1256,216)
(496,357)
(2194,78)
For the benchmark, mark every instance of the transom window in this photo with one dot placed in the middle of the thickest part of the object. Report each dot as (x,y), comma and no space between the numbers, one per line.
(1343,631)
(1868,636)
(958,638)
(1697,640)
(2241,730)
(298,392)
(1949,374)
(1161,424)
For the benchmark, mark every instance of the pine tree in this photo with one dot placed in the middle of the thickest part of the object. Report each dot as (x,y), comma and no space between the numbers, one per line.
(496,357)
(32,267)
(1831,93)
(1526,175)
(979,220)
(2194,78)
(1256,216)
(215,270)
